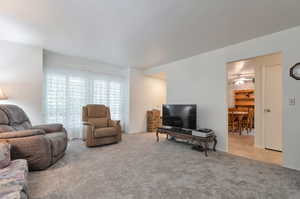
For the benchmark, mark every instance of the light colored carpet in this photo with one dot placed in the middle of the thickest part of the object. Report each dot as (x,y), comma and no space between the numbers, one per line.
(140,168)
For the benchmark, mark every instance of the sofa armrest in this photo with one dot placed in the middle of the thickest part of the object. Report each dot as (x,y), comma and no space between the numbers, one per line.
(88,133)
(20,134)
(50,128)
(113,123)
(88,124)
(116,124)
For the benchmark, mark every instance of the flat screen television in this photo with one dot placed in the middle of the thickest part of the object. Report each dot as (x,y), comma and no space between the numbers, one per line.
(180,115)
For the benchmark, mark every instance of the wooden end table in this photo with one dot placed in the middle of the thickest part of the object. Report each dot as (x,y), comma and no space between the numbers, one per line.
(188,137)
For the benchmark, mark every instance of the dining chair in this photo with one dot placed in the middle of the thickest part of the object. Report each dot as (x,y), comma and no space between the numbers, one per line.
(232,120)
(250,120)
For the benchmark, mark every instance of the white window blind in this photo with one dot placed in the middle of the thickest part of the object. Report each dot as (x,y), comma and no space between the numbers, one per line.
(56,99)
(109,94)
(67,93)
(114,99)
(101,92)
(77,98)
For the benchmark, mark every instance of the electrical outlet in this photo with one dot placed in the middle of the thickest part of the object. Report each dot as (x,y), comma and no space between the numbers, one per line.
(292,101)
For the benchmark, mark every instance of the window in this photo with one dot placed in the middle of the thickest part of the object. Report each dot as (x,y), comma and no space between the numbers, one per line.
(109,94)
(67,93)
(114,100)
(100,92)
(56,99)
(77,98)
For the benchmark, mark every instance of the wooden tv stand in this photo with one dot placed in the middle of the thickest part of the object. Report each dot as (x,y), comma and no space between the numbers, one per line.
(184,136)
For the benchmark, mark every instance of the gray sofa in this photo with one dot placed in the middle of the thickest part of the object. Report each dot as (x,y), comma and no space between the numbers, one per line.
(40,145)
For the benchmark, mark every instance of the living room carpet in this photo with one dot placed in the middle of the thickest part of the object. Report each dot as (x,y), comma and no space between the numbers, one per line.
(140,168)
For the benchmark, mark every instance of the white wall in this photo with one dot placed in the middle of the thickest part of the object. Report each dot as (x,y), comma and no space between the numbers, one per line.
(52,59)
(145,93)
(21,77)
(199,80)
(202,79)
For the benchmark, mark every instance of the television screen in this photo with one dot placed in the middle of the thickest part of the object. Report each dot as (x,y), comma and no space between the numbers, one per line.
(180,115)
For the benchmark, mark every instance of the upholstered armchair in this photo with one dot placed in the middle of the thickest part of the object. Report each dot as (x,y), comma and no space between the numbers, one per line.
(99,129)
(40,145)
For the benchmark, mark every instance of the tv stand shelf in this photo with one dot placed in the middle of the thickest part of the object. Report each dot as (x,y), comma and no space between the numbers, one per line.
(189,137)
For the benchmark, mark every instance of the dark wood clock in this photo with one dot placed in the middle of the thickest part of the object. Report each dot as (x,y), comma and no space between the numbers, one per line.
(295,71)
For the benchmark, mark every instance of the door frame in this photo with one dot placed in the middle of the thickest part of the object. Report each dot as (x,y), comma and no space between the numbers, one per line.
(259,142)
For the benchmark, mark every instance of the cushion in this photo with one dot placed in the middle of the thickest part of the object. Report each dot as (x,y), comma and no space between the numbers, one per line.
(5,128)
(49,128)
(96,111)
(22,126)
(105,132)
(4,154)
(15,114)
(99,122)
(3,118)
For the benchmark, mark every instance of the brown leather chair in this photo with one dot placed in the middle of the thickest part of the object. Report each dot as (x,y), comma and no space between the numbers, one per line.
(99,129)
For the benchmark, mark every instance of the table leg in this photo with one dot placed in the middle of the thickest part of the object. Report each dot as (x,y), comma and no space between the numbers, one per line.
(157,136)
(215,144)
(240,127)
(167,137)
(205,148)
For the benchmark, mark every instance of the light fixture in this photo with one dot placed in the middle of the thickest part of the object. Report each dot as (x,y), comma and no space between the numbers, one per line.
(240,81)
(243,80)
(2,95)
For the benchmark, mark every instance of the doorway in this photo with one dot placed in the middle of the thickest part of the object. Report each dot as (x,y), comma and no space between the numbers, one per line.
(254,98)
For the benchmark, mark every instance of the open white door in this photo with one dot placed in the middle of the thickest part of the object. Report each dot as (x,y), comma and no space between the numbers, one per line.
(272,106)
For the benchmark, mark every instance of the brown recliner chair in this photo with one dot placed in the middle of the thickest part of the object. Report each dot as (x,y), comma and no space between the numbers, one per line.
(40,145)
(99,129)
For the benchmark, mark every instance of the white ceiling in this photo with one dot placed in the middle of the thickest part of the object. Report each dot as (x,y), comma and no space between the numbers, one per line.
(142,33)
(241,68)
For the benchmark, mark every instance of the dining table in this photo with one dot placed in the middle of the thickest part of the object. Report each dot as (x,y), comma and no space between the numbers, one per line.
(238,116)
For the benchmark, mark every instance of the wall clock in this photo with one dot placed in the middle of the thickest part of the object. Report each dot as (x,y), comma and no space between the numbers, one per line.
(295,71)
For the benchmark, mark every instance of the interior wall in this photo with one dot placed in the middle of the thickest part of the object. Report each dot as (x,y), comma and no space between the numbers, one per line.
(53,59)
(199,80)
(145,93)
(202,80)
(21,77)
